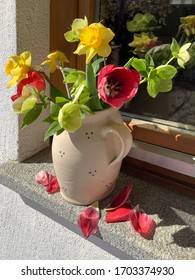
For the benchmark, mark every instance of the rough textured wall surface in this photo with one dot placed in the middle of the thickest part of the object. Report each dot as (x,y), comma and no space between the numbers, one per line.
(8,120)
(32,19)
(24,25)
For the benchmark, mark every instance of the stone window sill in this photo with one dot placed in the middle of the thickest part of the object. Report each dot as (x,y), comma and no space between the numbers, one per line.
(173,212)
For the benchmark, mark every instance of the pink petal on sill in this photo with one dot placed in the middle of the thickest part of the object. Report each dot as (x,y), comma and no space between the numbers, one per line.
(53,185)
(43,177)
(88,221)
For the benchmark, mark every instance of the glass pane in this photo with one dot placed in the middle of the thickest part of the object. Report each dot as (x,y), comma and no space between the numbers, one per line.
(164,19)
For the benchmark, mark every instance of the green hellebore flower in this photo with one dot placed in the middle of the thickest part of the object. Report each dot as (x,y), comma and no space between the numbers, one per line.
(69,117)
(76,28)
(27,101)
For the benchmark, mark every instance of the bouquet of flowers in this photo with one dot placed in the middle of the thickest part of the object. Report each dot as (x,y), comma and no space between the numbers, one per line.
(97,88)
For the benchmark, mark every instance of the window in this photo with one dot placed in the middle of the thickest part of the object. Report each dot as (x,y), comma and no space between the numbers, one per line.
(163,129)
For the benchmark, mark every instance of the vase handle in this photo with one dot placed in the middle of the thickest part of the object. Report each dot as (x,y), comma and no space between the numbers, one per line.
(125,137)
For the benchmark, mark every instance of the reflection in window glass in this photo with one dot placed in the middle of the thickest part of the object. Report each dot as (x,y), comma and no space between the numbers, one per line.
(142,27)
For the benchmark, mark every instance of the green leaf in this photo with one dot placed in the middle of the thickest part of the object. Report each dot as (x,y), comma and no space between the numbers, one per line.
(53,129)
(174,48)
(55,92)
(139,64)
(54,110)
(86,109)
(91,86)
(84,98)
(72,77)
(61,100)
(96,65)
(160,54)
(32,115)
(149,61)
(48,120)
(68,69)
(43,98)
(78,92)
(152,88)
(166,71)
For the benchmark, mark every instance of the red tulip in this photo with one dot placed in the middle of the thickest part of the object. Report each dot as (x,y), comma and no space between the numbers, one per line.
(34,79)
(117,85)
(88,221)
(121,214)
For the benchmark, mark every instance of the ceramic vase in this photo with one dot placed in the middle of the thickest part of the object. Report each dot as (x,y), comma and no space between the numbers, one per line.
(87,162)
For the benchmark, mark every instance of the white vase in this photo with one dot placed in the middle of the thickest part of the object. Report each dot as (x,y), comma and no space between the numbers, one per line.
(87,162)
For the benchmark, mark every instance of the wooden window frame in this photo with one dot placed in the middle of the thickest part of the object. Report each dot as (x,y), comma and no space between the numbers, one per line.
(154,134)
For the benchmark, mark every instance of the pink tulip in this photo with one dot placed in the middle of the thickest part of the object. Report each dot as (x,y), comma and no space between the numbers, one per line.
(117,85)
(88,221)
(34,79)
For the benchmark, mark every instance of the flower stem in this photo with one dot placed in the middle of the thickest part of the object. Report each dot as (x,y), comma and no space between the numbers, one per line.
(67,88)
(143,81)
(170,60)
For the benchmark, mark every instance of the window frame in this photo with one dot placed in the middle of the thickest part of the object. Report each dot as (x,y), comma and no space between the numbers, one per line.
(148,137)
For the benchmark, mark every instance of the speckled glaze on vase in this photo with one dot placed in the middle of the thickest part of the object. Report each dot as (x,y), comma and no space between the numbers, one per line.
(87,162)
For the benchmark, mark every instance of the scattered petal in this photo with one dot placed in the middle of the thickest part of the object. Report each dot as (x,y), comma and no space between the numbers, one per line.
(134,218)
(120,198)
(121,214)
(88,221)
(53,185)
(145,222)
(142,223)
(43,178)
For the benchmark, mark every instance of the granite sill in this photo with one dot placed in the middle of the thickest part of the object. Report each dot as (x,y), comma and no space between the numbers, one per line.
(174,213)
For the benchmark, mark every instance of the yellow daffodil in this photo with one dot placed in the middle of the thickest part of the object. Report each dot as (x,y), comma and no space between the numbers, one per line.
(94,39)
(18,67)
(142,41)
(55,59)
(77,27)
(188,24)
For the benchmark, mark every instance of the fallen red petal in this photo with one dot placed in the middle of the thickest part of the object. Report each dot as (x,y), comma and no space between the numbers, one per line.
(121,214)
(145,222)
(121,197)
(53,185)
(134,218)
(88,221)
